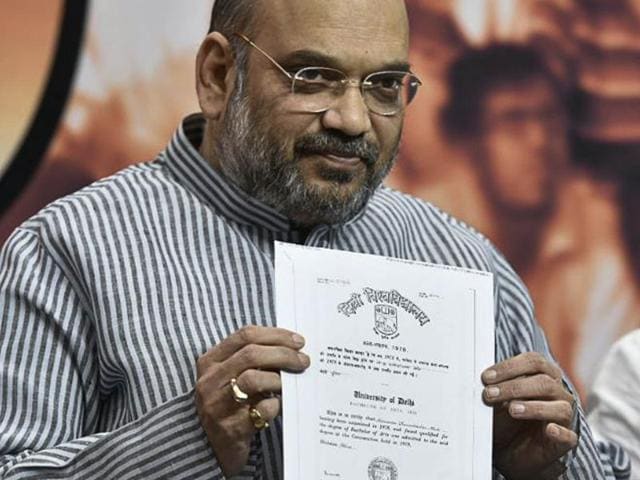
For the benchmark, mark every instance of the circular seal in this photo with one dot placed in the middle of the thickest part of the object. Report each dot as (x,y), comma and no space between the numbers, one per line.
(382,469)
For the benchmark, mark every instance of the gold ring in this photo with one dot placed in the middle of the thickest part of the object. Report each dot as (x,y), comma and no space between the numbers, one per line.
(238,395)
(258,421)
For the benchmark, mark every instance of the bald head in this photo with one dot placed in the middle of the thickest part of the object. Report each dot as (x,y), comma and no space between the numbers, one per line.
(361,35)
(229,16)
(371,17)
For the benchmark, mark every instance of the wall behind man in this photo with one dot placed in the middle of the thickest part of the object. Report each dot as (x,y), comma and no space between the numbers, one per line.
(131,84)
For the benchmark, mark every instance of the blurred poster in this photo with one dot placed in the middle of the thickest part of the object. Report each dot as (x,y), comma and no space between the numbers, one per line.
(528,128)
(27,54)
(132,83)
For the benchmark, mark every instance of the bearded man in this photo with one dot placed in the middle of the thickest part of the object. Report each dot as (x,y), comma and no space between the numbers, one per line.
(136,312)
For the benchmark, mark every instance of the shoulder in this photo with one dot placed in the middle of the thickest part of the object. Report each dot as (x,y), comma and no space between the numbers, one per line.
(438,237)
(622,359)
(101,223)
(414,209)
(97,206)
(629,344)
(426,223)
(98,226)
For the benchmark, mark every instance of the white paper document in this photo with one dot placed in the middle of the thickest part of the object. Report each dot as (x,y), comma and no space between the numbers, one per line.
(397,349)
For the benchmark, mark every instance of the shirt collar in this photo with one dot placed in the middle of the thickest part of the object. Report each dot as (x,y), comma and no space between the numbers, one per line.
(185,162)
(189,167)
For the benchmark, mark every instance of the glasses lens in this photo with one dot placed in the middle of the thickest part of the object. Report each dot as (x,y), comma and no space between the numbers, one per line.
(385,93)
(317,87)
(388,93)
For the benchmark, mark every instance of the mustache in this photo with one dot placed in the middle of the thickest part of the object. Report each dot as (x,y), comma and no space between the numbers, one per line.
(338,144)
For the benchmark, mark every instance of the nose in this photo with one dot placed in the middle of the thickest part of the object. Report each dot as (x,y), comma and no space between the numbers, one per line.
(349,114)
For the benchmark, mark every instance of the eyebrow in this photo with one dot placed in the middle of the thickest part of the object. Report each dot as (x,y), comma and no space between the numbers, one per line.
(312,58)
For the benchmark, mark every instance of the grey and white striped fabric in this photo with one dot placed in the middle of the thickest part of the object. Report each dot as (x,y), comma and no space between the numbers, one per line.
(108,296)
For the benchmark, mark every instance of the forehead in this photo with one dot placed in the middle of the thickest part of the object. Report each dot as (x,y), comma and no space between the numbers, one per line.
(361,33)
(535,93)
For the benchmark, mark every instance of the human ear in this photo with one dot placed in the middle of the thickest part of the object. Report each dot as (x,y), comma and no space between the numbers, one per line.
(215,75)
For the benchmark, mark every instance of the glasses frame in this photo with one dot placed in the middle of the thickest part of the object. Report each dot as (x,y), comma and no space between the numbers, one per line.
(346,82)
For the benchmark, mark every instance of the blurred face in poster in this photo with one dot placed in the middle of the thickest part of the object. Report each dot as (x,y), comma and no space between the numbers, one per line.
(523,145)
(314,163)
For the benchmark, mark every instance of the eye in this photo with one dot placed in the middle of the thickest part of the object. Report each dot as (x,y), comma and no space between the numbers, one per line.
(310,75)
(312,80)
(386,87)
(319,74)
(389,82)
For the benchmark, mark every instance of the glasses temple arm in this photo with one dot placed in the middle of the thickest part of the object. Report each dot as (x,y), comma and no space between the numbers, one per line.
(269,57)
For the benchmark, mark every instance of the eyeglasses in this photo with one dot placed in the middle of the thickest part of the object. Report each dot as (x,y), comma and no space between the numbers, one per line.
(316,89)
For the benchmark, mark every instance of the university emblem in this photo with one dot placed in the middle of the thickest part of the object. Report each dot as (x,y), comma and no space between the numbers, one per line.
(382,469)
(386,320)
(387,304)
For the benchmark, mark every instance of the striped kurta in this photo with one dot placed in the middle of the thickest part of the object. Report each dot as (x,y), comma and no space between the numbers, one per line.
(108,297)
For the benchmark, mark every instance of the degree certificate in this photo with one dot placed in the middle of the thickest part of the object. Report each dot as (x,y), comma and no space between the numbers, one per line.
(397,348)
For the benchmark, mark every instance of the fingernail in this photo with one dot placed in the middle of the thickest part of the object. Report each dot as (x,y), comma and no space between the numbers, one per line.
(490,375)
(554,431)
(517,408)
(304,359)
(297,340)
(493,392)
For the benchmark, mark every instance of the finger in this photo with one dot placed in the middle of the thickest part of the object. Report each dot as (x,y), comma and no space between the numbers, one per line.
(260,357)
(562,439)
(233,417)
(530,363)
(269,408)
(537,387)
(258,383)
(252,334)
(559,411)
(252,357)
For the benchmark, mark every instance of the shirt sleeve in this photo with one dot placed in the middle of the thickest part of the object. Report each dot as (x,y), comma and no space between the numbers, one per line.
(50,403)
(614,402)
(517,331)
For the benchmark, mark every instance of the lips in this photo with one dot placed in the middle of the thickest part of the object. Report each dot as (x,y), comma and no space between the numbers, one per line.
(337,162)
(350,161)
(339,159)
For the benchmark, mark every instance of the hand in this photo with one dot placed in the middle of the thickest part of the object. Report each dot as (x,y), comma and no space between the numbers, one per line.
(532,415)
(253,356)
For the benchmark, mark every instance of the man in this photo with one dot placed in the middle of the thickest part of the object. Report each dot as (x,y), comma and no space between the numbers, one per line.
(508,112)
(126,350)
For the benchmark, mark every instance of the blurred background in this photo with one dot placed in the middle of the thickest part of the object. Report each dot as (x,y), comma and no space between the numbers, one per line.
(527,128)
